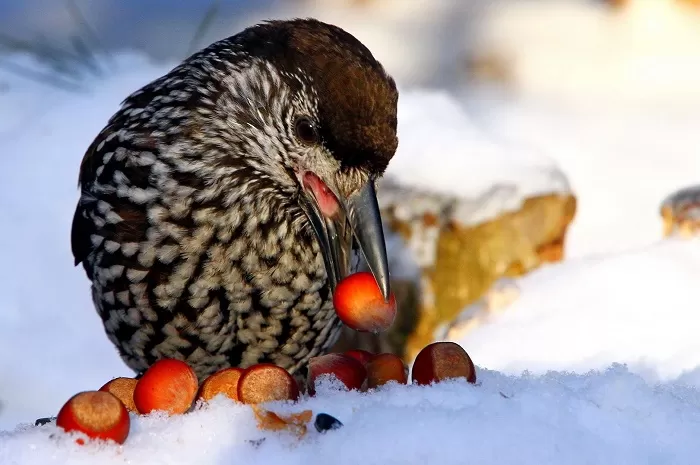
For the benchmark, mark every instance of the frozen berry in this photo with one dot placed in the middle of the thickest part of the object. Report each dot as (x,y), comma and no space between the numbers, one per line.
(266,382)
(442,360)
(359,304)
(97,414)
(169,385)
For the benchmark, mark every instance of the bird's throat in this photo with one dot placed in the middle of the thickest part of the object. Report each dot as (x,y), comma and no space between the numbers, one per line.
(327,201)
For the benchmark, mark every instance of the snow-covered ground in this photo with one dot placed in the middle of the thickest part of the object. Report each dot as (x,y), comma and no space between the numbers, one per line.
(637,307)
(610,417)
(622,296)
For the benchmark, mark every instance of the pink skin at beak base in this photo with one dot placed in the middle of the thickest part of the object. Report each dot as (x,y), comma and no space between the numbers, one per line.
(327,201)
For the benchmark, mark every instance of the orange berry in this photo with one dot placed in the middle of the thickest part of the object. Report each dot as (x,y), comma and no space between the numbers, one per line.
(359,304)
(266,382)
(169,385)
(222,382)
(97,414)
(122,389)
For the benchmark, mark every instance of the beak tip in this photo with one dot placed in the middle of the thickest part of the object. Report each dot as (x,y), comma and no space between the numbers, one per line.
(385,288)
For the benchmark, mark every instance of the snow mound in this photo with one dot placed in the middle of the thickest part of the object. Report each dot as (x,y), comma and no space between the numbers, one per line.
(597,418)
(443,150)
(621,163)
(639,308)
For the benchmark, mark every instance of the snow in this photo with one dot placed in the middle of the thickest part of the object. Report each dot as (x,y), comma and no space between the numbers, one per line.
(622,296)
(637,307)
(620,162)
(607,417)
(48,327)
(465,161)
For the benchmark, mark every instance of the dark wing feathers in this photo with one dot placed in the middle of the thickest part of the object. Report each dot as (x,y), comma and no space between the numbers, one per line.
(134,224)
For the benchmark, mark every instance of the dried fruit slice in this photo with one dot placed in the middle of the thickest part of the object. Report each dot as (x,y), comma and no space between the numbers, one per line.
(360,355)
(266,382)
(359,304)
(169,385)
(222,382)
(271,421)
(123,389)
(97,414)
(383,368)
(347,369)
(442,360)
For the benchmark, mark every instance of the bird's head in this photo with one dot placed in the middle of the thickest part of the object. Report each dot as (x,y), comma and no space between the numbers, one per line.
(316,114)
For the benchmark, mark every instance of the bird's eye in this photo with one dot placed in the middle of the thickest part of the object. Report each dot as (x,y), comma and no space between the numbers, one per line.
(306,131)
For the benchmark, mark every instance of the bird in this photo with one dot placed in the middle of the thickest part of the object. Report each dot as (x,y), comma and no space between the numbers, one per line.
(223,202)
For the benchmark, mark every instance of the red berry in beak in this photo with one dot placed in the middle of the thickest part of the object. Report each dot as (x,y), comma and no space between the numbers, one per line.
(359,304)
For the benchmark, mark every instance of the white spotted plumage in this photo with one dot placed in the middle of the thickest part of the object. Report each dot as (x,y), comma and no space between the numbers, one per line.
(189,224)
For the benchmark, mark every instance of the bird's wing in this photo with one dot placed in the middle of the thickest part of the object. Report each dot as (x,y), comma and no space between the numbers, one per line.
(91,225)
(80,236)
(83,226)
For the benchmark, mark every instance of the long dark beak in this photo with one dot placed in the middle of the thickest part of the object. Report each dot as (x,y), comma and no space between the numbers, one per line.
(359,218)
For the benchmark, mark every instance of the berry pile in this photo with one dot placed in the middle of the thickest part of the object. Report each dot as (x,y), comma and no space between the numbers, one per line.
(171,386)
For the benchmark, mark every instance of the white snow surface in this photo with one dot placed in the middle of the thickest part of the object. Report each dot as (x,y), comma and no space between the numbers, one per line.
(637,307)
(443,149)
(603,418)
(621,162)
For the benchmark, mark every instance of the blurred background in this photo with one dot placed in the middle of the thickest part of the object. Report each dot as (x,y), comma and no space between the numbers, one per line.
(532,132)
(613,49)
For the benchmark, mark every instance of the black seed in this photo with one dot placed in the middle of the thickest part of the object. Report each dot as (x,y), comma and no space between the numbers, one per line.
(325,422)
(44,421)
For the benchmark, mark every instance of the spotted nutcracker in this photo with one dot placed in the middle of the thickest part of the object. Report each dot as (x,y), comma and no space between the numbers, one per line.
(223,202)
